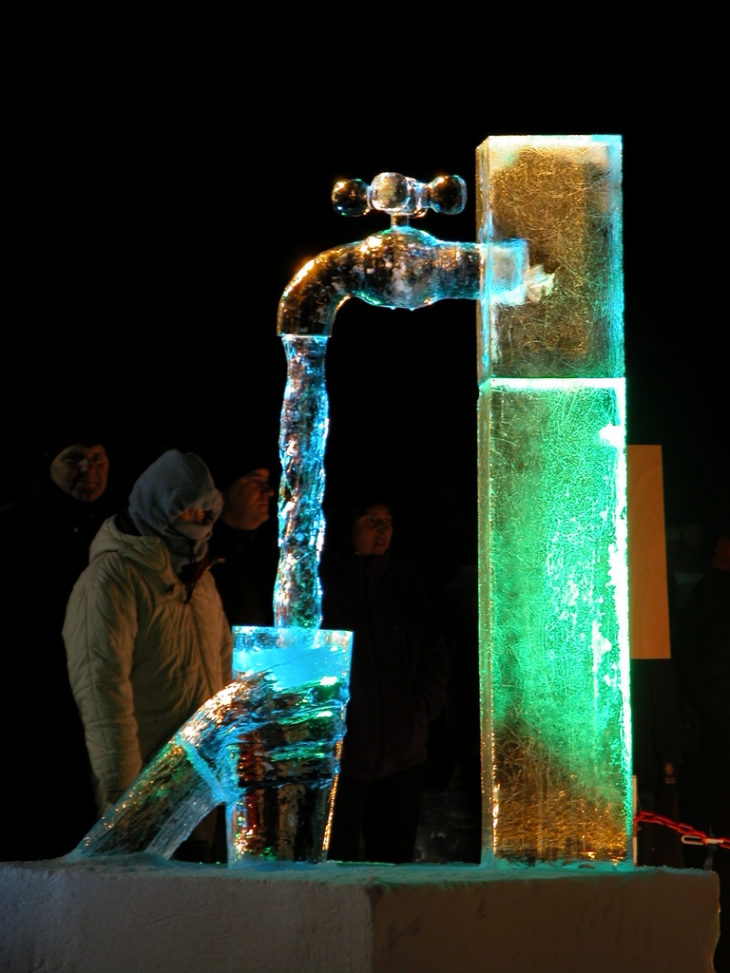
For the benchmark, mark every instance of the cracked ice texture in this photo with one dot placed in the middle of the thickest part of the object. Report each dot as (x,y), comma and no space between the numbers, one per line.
(553,599)
(303,435)
(552,509)
(289,766)
(562,194)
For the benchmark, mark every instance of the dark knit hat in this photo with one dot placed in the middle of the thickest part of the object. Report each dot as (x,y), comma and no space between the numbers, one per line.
(228,462)
(60,437)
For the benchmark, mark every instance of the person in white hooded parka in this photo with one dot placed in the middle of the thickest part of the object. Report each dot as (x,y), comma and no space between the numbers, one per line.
(146,637)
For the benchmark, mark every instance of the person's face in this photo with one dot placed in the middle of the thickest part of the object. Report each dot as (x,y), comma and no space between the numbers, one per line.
(373,532)
(246,503)
(81,471)
(193,515)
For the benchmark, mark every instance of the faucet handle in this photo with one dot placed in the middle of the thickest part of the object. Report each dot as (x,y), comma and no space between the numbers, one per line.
(399,196)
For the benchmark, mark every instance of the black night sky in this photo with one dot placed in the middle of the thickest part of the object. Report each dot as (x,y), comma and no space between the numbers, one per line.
(161,206)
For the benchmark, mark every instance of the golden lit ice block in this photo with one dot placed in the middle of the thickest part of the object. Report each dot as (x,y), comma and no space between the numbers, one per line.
(562,194)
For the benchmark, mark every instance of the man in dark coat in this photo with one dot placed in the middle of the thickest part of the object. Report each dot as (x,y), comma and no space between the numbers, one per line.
(46,794)
(245,551)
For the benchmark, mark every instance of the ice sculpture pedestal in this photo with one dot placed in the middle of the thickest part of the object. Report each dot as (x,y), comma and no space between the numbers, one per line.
(144,913)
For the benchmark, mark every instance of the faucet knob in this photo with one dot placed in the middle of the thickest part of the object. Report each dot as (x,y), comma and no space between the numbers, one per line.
(399,196)
(351,197)
(447,195)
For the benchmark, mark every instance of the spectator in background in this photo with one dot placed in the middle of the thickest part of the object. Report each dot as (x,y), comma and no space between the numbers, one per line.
(243,556)
(46,798)
(397,686)
(706,667)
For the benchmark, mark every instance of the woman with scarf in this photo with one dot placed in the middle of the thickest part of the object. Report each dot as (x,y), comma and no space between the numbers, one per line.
(146,637)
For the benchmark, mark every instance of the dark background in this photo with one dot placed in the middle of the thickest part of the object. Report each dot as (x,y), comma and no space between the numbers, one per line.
(162,199)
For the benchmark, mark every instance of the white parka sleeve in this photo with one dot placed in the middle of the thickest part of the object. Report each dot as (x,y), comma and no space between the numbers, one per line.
(99,632)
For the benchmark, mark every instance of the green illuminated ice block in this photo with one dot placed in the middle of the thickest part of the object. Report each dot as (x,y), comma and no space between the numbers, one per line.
(552,507)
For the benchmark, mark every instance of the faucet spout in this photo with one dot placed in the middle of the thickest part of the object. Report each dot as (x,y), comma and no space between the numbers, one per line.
(399,267)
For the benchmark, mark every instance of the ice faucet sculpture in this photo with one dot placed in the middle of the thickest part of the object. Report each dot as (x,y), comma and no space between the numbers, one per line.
(552,574)
(400,267)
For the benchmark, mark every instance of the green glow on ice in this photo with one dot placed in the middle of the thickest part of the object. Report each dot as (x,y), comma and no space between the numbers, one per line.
(554,615)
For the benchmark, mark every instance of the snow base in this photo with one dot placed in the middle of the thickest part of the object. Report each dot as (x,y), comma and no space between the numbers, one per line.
(145,913)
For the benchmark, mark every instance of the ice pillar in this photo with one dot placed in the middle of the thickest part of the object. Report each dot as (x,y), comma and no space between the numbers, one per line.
(552,509)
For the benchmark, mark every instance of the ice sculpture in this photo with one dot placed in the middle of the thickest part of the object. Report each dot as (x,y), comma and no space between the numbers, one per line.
(553,582)
(289,762)
(552,506)
(265,746)
(303,435)
(552,524)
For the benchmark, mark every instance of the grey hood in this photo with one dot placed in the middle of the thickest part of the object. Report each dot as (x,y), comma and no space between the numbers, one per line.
(169,486)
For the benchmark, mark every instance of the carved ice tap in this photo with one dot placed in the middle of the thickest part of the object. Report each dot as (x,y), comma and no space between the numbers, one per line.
(398,267)
(403,266)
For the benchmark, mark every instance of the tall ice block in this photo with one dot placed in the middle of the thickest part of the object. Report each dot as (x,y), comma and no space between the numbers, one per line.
(552,508)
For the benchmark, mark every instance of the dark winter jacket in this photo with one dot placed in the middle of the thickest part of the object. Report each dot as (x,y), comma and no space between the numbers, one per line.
(245,576)
(399,668)
(47,547)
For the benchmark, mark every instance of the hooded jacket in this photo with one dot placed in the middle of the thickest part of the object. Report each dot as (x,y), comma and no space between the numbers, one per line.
(141,657)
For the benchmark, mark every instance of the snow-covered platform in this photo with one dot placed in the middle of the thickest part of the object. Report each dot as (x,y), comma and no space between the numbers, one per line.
(145,914)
